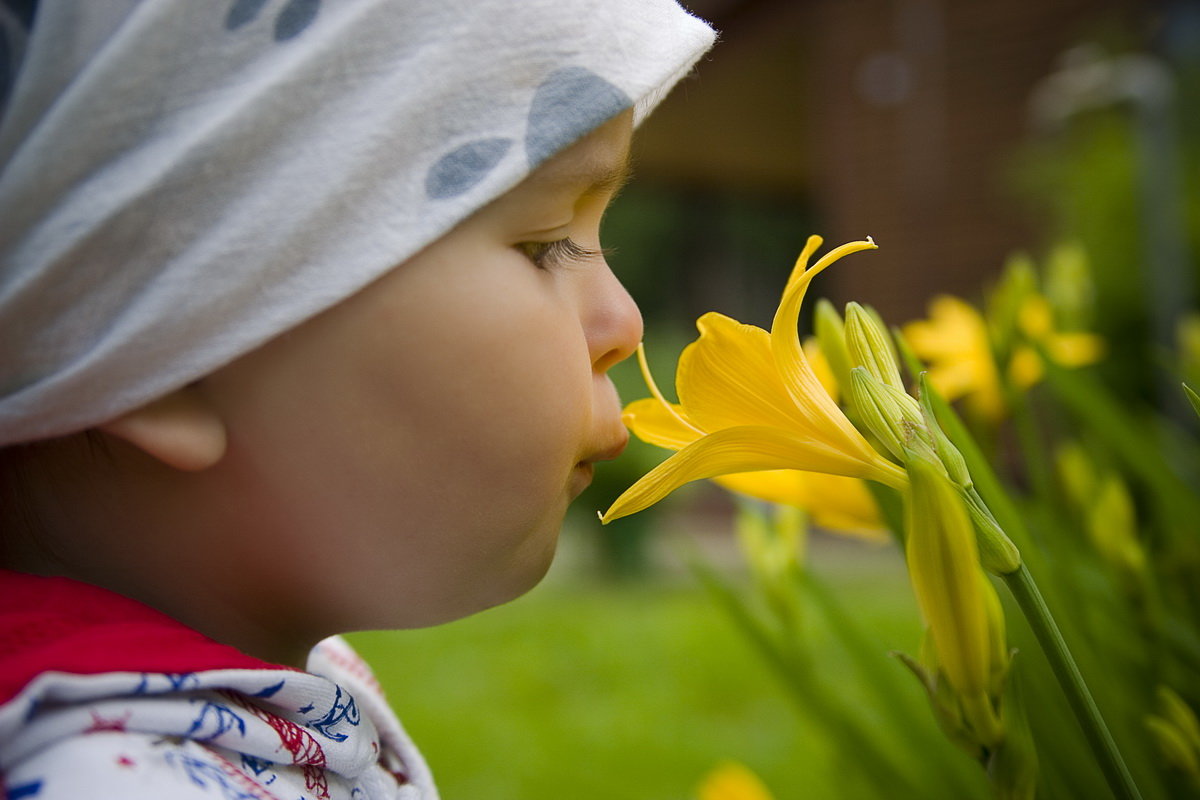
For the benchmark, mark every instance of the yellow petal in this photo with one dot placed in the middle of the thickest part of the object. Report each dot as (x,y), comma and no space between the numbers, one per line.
(953,379)
(1000,654)
(1075,349)
(732,781)
(1025,368)
(1035,317)
(727,378)
(742,449)
(668,407)
(659,424)
(821,366)
(836,503)
(796,373)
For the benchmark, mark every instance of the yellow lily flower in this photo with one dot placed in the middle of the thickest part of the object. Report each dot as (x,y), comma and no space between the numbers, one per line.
(954,342)
(750,401)
(1036,321)
(732,781)
(833,502)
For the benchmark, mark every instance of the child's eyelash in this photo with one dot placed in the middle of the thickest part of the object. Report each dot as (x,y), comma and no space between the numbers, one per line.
(559,253)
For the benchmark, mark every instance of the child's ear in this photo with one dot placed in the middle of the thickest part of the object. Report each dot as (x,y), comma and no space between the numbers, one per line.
(182,430)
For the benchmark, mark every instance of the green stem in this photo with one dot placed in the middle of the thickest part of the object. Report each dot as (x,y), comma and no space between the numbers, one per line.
(1023,588)
(1032,443)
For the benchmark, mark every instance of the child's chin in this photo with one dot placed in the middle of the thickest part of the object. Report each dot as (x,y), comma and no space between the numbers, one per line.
(520,579)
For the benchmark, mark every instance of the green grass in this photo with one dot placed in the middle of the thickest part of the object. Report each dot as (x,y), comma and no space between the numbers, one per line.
(584,689)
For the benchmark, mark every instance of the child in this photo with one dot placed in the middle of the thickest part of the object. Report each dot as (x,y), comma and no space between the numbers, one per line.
(304,326)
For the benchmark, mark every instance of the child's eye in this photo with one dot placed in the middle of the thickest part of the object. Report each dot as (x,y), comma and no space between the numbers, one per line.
(560,252)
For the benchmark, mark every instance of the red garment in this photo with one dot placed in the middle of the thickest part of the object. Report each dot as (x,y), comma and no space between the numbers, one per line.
(64,625)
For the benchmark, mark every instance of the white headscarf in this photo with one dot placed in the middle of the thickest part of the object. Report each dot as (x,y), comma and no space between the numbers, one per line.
(183,180)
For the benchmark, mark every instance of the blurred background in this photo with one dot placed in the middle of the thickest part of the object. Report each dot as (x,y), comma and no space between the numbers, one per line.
(954,133)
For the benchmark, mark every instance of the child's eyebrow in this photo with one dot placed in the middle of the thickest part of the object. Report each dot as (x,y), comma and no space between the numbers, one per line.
(595,176)
(612,179)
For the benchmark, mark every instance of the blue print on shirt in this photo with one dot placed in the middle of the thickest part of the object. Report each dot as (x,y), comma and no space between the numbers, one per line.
(270,690)
(344,709)
(215,720)
(175,682)
(257,766)
(24,790)
(207,775)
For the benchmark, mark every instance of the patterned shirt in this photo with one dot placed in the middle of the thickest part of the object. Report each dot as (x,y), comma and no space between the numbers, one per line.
(104,697)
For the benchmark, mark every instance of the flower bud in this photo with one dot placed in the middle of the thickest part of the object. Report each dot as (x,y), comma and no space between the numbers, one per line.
(1112,526)
(772,537)
(890,414)
(1018,283)
(831,336)
(951,458)
(870,346)
(947,711)
(1000,655)
(943,565)
(1069,286)
(997,553)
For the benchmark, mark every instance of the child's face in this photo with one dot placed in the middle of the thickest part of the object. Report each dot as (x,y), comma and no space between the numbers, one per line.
(407,457)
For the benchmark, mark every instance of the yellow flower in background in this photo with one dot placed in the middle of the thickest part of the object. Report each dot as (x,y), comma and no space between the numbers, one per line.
(1036,321)
(750,401)
(732,781)
(954,343)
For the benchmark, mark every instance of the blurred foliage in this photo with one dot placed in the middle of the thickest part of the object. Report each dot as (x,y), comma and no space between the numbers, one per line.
(1120,174)
(591,691)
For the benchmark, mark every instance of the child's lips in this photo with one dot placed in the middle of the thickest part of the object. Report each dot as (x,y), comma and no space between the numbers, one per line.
(611,449)
(585,469)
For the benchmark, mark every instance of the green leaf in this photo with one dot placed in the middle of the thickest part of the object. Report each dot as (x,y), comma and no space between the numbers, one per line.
(1125,435)
(1192,397)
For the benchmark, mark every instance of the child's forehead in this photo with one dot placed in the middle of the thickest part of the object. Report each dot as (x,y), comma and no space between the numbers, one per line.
(599,163)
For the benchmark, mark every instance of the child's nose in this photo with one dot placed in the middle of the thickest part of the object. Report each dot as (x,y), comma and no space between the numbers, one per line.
(614,324)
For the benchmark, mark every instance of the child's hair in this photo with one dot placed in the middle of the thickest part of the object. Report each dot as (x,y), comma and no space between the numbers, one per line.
(184,181)
(25,470)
